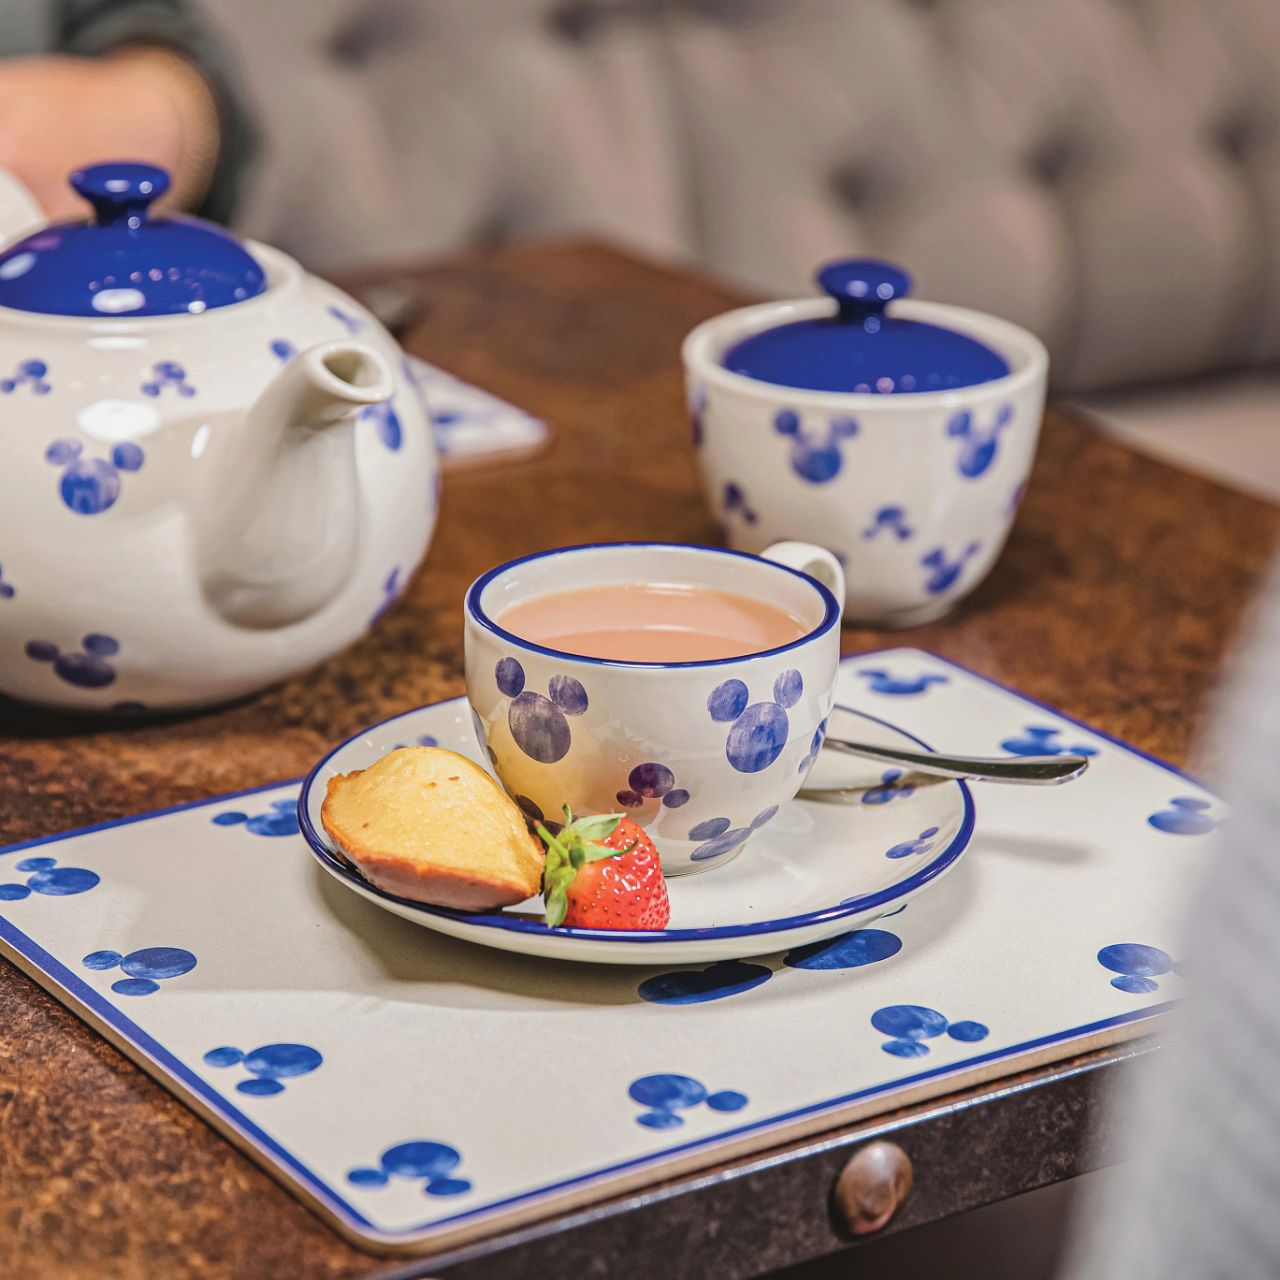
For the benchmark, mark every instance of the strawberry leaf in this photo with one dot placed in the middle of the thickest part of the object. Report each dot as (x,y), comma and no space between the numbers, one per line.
(557,906)
(600,827)
(599,852)
(575,846)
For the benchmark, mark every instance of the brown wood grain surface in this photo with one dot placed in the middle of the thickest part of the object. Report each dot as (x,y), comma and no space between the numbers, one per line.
(1117,598)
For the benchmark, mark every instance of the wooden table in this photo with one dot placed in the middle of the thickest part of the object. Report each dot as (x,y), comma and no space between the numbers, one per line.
(1120,589)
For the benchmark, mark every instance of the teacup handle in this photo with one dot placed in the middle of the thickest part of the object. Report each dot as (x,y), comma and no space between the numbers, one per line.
(817,562)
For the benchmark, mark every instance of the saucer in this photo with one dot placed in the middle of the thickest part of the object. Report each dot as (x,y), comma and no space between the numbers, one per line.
(829,862)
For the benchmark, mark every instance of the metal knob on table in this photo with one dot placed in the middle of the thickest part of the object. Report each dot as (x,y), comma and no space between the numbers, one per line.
(872,1187)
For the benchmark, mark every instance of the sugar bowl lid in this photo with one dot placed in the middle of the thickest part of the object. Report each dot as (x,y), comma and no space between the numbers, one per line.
(125,262)
(862,348)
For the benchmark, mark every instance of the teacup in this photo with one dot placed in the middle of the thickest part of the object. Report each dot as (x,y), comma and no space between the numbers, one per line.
(701,754)
(914,491)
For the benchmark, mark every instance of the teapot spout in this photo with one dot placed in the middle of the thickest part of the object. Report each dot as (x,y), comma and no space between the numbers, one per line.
(279,516)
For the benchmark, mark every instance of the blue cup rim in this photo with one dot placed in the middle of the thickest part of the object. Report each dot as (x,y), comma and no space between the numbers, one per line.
(830,618)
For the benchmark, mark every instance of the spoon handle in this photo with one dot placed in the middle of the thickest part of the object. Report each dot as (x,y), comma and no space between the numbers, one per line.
(1045,771)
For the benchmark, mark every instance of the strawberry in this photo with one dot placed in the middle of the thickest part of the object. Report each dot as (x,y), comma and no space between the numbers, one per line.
(603,873)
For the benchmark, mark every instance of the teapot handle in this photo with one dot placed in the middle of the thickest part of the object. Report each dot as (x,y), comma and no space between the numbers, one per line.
(19,212)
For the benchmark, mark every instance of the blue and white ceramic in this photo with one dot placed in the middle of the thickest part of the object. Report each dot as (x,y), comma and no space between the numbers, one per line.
(387,1075)
(910,471)
(701,754)
(214,466)
(820,866)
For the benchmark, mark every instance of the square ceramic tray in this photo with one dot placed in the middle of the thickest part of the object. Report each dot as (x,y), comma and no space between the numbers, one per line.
(469,424)
(400,1082)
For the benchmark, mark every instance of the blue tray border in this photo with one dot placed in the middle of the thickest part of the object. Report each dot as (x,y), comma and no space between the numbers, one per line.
(84,995)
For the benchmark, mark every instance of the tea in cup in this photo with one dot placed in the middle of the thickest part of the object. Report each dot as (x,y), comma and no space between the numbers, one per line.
(687,687)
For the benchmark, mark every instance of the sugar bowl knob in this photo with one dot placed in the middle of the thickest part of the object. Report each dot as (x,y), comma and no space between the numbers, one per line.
(872,1187)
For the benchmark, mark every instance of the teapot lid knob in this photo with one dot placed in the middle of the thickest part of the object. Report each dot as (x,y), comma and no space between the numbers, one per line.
(120,191)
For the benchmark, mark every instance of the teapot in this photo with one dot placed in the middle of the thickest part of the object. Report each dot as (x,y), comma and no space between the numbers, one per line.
(217,468)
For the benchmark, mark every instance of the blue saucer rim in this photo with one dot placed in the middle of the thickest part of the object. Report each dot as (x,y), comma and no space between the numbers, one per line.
(323,853)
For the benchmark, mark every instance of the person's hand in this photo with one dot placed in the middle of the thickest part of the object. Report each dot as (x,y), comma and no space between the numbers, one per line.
(58,114)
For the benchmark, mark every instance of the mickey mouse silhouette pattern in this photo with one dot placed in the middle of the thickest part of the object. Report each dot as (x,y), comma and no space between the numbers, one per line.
(391,589)
(817,460)
(422,740)
(167,375)
(891,788)
(667,1095)
(280,819)
(880,681)
(386,421)
(1186,816)
(145,969)
(759,731)
(86,670)
(852,950)
(267,1065)
(697,410)
(890,519)
(923,843)
(31,374)
(90,486)
(352,324)
(719,837)
(534,813)
(734,501)
(978,447)
(910,1025)
(944,572)
(815,745)
(47,878)
(538,722)
(697,986)
(1135,965)
(430,1163)
(1043,740)
(652,781)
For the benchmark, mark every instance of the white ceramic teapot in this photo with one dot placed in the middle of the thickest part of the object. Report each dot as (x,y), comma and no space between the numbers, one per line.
(216,470)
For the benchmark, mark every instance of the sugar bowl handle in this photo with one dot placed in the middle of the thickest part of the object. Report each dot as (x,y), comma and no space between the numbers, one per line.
(817,562)
(872,1187)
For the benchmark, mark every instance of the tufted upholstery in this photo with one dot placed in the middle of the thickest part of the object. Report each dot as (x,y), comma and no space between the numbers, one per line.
(1104,171)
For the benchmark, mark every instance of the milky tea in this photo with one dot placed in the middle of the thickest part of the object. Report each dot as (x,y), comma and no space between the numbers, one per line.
(652,622)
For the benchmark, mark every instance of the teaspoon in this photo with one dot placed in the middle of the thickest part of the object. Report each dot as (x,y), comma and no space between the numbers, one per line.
(1044,771)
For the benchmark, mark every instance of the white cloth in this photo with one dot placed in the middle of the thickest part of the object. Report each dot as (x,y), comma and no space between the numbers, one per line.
(1199,1201)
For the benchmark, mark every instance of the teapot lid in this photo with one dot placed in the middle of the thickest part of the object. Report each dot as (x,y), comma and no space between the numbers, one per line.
(125,263)
(862,348)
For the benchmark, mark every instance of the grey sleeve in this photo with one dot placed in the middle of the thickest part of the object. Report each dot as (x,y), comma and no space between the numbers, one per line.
(90,27)
(1199,1200)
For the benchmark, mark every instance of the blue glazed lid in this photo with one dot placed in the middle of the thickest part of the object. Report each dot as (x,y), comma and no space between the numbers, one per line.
(125,263)
(862,348)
